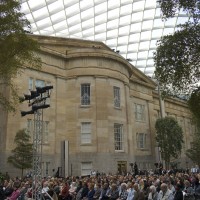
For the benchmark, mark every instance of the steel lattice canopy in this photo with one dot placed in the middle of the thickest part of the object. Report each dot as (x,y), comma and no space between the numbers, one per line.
(131,27)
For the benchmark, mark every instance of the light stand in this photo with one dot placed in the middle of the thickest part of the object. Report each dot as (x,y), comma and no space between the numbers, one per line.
(37,99)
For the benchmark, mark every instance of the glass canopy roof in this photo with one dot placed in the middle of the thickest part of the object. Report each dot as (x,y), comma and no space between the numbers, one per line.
(131,27)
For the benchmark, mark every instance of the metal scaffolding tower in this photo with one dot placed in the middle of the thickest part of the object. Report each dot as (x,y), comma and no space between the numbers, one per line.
(37,154)
(37,99)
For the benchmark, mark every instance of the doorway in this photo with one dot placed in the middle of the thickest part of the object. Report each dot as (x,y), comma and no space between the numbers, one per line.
(122,167)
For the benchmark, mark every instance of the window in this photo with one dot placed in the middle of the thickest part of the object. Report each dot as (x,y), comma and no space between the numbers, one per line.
(118,136)
(85,94)
(30,84)
(116,97)
(139,112)
(141,140)
(45,131)
(86,168)
(39,83)
(85,132)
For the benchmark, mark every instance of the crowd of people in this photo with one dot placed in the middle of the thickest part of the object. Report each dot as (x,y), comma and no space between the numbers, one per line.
(165,186)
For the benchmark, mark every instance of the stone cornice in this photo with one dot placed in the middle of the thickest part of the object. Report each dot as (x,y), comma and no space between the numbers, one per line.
(73,42)
(141,82)
(171,100)
(77,53)
(76,48)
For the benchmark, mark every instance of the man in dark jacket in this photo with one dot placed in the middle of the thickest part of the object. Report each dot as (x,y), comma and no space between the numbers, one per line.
(178,194)
(8,189)
(2,196)
(104,192)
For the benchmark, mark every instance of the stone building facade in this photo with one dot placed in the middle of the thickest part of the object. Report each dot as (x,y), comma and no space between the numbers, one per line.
(102,111)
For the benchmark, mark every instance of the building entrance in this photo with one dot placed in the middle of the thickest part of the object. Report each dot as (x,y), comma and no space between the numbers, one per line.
(122,167)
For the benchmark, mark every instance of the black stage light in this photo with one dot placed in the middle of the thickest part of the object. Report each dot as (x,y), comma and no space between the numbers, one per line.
(23,113)
(44,89)
(33,95)
(36,107)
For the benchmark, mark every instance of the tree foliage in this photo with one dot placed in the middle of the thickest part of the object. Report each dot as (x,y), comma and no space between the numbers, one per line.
(177,56)
(169,136)
(194,105)
(194,152)
(17,50)
(177,59)
(170,7)
(22,154)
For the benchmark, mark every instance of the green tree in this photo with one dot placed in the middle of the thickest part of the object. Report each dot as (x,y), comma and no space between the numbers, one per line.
(194,152)
(22,154)
(17,50)
(177,58)
(170,7)
(194,105)
(169,136)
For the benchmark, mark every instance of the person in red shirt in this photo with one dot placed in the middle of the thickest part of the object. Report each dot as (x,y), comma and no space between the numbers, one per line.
(64,194)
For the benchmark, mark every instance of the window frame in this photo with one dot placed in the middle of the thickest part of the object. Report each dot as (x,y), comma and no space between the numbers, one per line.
(30,83)
(141,140)
(86,137)
(118,137)
(85,94)
(140,113)
(85,168)
(41,81)
(117,97)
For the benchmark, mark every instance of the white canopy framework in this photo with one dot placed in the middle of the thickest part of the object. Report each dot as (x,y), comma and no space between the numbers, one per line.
(131,27)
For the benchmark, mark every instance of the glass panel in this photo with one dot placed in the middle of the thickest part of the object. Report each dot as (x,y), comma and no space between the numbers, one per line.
(146,25)
(141,140)
(85,132)
(118,136)
(85,94)
(139,112)
(79,19)
(39,83)
(86,168)
(30,83)
(116,96)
